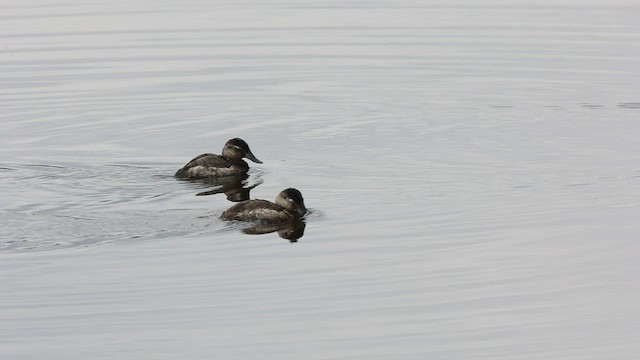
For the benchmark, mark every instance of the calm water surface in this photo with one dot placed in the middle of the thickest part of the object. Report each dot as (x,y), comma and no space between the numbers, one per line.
(472,171)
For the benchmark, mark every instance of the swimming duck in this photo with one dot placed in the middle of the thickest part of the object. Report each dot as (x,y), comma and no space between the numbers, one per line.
(289,205)
(230,163)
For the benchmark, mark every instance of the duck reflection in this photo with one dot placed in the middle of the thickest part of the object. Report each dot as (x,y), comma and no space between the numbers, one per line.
(292,230)
(235,188)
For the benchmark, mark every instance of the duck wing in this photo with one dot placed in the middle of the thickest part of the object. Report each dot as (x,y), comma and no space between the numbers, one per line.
(205,161)
(209,160)
(256,210)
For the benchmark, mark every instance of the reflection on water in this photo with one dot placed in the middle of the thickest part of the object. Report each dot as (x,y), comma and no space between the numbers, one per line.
(630,105)
(292,230)
(236,188)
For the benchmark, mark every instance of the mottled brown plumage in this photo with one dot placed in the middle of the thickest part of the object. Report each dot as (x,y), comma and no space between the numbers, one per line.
(230,163)
(289,205)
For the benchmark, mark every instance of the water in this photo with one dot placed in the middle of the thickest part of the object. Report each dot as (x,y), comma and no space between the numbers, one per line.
(472,172)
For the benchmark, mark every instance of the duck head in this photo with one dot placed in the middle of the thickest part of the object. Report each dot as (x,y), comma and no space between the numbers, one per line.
(291,200)
(236,149)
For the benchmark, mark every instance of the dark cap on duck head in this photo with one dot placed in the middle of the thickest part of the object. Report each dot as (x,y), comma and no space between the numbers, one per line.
(294,199)
(243,147)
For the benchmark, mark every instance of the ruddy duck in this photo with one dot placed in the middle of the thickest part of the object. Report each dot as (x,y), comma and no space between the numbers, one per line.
(230,163)
(289,205)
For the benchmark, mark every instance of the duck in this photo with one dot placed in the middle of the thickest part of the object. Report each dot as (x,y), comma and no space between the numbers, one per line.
(230,163)
(288,206)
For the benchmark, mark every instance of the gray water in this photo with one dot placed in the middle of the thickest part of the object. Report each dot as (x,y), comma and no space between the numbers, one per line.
(472,170)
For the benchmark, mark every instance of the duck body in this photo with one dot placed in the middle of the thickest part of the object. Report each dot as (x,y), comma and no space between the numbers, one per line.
(212,165)
(289,205)
(230,163)
(258,210)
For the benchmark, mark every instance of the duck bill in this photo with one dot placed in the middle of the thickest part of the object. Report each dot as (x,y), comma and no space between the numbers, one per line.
(252,157)
(302,210)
